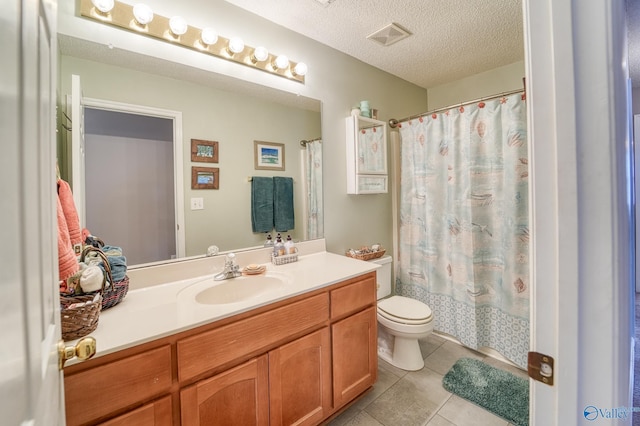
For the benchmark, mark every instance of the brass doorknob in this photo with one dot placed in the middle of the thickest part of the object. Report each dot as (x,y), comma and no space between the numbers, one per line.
(84,349)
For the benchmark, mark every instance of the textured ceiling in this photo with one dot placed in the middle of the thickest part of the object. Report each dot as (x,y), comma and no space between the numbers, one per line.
(451,39)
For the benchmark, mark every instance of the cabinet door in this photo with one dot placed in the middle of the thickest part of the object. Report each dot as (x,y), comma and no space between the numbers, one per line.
(157,413)
(98,392)
(239,396)
(300,380)
(355,359)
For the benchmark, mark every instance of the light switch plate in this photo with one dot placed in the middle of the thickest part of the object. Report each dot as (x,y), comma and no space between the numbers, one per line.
(197,203)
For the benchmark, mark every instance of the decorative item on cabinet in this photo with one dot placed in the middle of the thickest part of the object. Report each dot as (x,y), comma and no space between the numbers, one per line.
(366,141)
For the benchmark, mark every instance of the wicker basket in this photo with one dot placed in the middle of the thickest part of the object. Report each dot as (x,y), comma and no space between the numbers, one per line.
(284,259)
(113,294)
(367,256)
(80,320)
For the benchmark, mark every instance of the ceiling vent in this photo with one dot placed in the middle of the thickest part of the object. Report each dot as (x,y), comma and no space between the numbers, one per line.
(390,34)
(325,3)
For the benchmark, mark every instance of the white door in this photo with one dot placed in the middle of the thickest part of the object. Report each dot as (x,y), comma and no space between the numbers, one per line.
(77,148)
(30,383)
(582,270)
(177,229)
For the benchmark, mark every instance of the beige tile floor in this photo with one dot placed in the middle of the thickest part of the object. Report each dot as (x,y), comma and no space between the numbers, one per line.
(402,398)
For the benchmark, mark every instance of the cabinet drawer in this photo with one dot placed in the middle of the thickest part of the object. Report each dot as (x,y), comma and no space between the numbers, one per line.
(353,297)
(97,392)
(157,413)
(208,350)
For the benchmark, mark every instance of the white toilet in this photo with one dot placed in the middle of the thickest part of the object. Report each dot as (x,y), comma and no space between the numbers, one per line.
(401,322)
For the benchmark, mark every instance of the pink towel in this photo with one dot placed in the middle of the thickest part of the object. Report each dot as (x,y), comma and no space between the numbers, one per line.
(70,213)
(67,260)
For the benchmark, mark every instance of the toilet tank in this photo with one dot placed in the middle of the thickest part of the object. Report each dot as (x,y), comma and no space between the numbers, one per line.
(383,276)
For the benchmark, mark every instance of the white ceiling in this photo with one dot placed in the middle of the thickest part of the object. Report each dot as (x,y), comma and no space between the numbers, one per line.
(452,39)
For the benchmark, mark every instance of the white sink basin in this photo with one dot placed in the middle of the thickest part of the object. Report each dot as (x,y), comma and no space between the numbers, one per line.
(234,290)
(239,289)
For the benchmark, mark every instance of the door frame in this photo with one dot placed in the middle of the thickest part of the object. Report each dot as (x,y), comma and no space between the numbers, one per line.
(178,165)
(582,270)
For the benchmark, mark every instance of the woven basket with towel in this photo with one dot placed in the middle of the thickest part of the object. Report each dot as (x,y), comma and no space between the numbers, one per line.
(79,313)
(118,289)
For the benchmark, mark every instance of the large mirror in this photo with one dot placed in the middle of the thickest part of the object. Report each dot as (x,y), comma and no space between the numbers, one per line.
(232,113)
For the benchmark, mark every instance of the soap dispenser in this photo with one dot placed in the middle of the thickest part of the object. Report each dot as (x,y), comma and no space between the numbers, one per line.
(289,246)
(269,241)
(278,248)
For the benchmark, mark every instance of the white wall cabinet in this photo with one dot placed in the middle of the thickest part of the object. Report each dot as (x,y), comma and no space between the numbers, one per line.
(366,155)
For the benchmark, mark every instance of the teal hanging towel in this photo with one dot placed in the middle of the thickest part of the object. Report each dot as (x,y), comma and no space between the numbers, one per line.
(261,204)
(284,219)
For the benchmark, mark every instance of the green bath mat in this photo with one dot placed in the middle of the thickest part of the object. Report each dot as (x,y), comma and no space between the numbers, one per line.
(498,391)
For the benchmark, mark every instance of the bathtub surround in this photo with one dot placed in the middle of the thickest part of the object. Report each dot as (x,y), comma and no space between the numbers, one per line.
(464,226)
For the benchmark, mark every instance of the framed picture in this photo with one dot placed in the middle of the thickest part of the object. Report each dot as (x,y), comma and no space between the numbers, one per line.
(268,155)
(205,178)
(204,151)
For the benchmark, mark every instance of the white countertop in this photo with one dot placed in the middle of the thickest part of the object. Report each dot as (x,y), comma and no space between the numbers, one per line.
(156,311)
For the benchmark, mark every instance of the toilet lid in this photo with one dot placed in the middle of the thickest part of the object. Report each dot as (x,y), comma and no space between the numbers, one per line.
(404,310)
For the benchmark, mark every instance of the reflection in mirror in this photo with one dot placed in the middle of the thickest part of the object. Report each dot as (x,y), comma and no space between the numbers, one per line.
(230,112)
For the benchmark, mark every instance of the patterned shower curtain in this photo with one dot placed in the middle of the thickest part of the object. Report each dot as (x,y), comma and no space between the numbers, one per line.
(313,171)
(464,223)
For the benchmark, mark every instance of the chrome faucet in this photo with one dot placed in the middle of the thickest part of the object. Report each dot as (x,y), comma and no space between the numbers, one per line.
(231,269)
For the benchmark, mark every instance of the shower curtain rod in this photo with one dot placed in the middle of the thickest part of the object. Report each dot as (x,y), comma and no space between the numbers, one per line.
(393,123)
(304,142)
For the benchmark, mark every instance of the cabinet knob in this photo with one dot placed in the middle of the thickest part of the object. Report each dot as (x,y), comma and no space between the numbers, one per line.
(84,349)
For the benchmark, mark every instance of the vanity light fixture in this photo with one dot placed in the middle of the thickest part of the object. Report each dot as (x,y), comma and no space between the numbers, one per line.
(140,19)
(103,6)
(236,45)
(142,14)
(300,69)
(259,54)
(178,25)
(280,63)
(208,36)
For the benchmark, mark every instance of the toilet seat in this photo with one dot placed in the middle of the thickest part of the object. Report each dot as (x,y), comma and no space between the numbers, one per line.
(404,310)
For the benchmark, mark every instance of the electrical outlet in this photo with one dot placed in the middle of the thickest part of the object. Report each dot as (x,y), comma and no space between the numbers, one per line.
(197,203)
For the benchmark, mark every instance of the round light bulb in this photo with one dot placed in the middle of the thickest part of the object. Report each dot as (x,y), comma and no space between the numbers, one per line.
(142,13)
(260,54)
(236,45)
(281,62)
(209,36)
(104,6)
(300,69)
(178,25)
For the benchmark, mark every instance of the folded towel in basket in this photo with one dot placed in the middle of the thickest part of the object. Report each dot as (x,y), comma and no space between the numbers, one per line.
(284,219)
(261,204)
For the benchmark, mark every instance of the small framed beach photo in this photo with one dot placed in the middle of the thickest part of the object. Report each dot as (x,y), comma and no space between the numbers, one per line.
(205,178)
(204,151)
(268,155)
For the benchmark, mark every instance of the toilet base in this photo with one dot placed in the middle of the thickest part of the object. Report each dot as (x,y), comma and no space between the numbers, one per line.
(405,355)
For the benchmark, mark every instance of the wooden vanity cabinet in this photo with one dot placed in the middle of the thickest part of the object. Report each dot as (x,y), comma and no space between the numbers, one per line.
(354,335)
(300,380)
(295,362)
(157,413)
(239,396)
